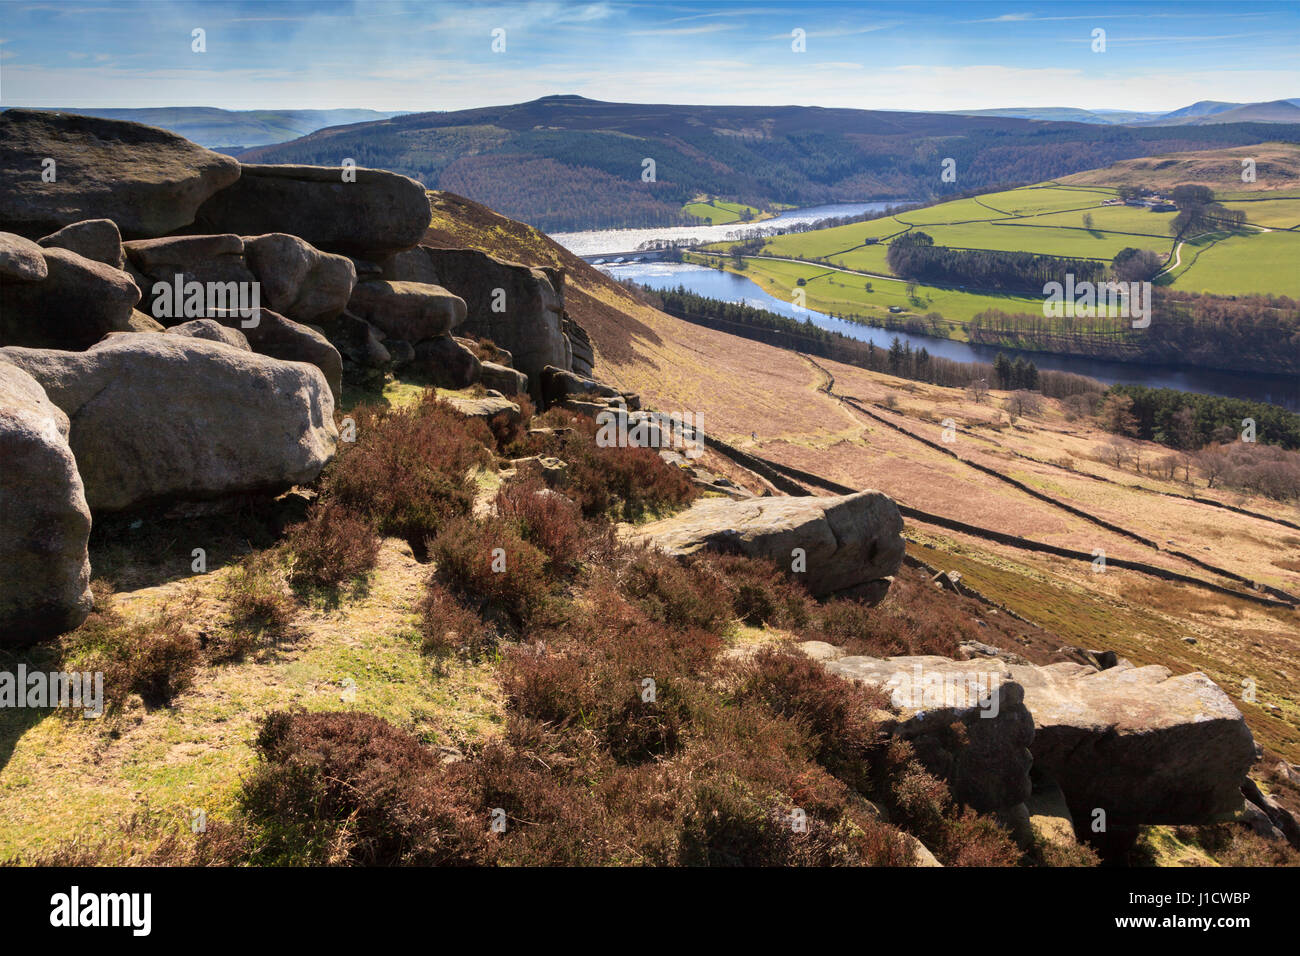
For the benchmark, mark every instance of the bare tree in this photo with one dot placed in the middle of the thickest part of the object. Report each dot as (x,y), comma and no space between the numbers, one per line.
(978,391)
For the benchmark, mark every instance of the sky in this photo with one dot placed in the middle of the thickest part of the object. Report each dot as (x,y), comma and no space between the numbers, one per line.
(416,56)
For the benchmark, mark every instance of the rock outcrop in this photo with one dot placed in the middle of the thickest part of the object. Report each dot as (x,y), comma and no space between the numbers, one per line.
(517,307)
(215,260)
(158,417)
(845,542)
(148,181)
(44,519)
(78,302)
(1138,743)
(987,761)
(446,362)
(362,212)
(409,311)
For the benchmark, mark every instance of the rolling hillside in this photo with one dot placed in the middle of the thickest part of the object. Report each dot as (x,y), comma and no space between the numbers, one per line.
(565,162)
(742,389)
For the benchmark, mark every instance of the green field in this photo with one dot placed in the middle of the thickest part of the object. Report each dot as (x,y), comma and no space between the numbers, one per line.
(845,294)
(1261,261)
(1047,219)
(720,213)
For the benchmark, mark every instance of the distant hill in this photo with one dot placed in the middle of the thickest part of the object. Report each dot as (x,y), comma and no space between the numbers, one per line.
(1200,113)
(1277,166)
(566,162)
(232,129)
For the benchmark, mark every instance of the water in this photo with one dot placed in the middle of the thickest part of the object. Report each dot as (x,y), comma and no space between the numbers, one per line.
(1277,389)
(597,242)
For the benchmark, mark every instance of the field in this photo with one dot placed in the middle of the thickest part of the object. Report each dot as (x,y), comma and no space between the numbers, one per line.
(1065,218)
(721,213)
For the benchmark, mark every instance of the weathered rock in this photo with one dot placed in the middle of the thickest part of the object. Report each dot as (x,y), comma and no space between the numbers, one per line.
(402,352)
(411,311)
(78,303)
(1049,814)
(148,181)
(846,540)
(553,471)
(410,265)
(1136,742)
(213,331)
(44,520)
(559,384)
(97,239)
(488,406)
(1143,745)
(360,344)
(503,379)
(20,259)
(379,213)
(298,281)
(446,363)
(217,262)
(139,322)
(987,761)
(269,333)
(158,417)
(517,307)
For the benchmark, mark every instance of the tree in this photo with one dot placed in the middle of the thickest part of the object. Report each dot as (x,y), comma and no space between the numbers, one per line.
(1002,371)
(1021,403)
(978,391)
(1135,265)
(1116,414)
(1087,221)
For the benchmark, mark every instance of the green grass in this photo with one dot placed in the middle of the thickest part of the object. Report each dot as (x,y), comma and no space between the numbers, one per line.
(845,294)
(1273,213)
(1243,263)
(720,213)
(1046,219)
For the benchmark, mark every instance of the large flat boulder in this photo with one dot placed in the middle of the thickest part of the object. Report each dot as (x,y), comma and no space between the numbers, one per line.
(147,180)
(407,311)
(77,303)
(847,541)
(987,761)
(1140,744)
(378,213)
(44,519)
(216,263)
(299,281)
(519,308)
(157,417)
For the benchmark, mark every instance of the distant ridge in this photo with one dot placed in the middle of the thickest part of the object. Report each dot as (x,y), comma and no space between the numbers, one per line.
(232,129)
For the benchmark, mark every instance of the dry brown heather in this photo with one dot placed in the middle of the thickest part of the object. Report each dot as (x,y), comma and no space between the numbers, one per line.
(741,387)
(1277,166)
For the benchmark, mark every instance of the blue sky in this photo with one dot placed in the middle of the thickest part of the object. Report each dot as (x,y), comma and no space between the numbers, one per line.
(430,55)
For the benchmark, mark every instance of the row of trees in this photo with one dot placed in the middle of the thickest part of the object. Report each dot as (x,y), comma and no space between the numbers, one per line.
(1242,466)
(915,256)
(1254,333)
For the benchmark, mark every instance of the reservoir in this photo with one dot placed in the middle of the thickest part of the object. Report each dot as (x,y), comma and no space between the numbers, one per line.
(1277,389)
